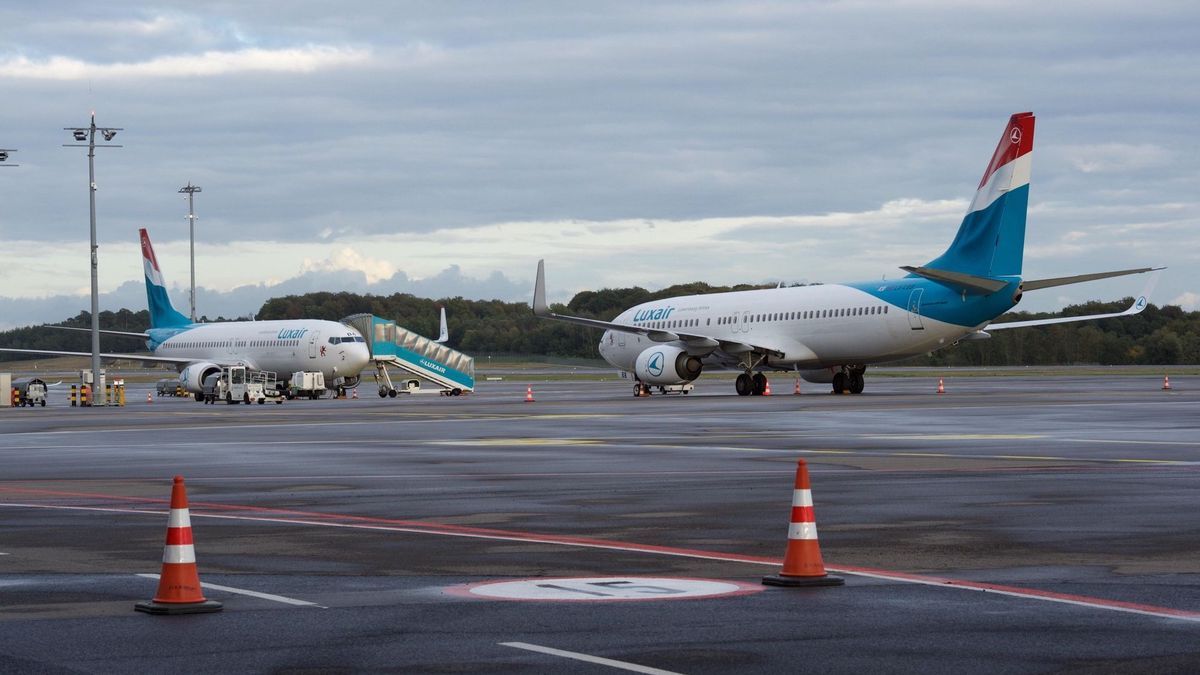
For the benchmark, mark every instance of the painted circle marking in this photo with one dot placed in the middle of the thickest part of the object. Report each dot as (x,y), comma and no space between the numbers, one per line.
(1015,136)
(606,589)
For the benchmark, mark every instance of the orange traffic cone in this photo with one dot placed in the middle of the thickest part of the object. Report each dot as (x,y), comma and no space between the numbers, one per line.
(941,386)
(179,583)
(802,564)
(797,390)
(767,388)
(529,394)
(1166,382)
(354,393)
(148,398)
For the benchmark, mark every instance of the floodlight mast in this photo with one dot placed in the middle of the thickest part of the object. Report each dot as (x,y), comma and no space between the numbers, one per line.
(89,134)
(191,190)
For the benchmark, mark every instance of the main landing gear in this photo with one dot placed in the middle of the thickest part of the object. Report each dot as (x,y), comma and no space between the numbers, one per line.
(849,379)
(748,384)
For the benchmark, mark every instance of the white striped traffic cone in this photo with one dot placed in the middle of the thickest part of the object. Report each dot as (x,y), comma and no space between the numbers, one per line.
(1166,382)
(529,394)
(802,565)
(179,583)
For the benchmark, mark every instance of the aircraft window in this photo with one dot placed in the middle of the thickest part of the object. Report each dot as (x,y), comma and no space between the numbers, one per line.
(885,309)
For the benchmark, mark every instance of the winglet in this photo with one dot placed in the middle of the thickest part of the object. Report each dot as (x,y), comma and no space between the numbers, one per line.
(443,331)
(540,308)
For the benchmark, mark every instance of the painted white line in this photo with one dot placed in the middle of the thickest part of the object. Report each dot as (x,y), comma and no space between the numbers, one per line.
(253,594)
(588,658)
(1027,594)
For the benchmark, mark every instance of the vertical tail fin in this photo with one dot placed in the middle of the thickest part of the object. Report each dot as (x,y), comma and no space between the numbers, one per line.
(443,331)
(991,240)
(162,314)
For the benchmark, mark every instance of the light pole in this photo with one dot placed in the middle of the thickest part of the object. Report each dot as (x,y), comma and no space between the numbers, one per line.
(192,190)
(88,134)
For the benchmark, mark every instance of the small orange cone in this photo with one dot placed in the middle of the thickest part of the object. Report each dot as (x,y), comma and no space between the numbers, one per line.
(802,565)
(529,394)
(179,583)
(941,386)
(148,398)
(767,388)
(797,391)
(1166,382)
(354,393)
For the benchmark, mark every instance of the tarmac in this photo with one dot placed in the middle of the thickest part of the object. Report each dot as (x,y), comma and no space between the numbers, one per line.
(1010,525)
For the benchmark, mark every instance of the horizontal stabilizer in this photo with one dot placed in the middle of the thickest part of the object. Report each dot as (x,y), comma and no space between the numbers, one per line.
(1035,284)
(1138,305)
(967,281)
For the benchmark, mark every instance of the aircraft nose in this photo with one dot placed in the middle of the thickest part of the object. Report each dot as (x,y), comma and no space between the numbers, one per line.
(359,356)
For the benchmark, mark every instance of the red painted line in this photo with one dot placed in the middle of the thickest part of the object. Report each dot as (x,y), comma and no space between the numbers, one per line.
(296,517)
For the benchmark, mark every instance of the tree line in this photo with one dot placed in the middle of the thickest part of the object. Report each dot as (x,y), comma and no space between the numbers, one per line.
(1158,336)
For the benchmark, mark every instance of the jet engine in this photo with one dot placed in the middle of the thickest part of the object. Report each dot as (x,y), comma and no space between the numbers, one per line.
(191,378)
(667,365)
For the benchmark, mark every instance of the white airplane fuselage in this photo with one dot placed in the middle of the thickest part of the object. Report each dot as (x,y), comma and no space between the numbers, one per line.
(282,347)
(812,327)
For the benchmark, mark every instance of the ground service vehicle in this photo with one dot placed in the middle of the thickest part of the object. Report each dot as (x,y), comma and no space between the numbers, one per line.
(236,384)
(30,392)
(307,384)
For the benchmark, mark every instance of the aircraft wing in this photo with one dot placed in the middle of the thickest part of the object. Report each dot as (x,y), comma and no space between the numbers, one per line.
(696,344)
(1138,305)
(105,332)
(113,357)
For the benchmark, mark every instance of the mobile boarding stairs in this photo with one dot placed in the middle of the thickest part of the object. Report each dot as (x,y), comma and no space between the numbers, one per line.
(398,347)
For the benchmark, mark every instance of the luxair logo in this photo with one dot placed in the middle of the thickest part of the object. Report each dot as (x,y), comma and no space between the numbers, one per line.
(655,365)
(1141,303)
(653,314)
(292,333)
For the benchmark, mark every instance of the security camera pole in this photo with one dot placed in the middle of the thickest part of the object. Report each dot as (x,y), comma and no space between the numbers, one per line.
(191,190)
(89,134)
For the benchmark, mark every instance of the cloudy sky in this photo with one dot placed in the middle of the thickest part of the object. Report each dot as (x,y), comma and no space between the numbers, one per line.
(441,148)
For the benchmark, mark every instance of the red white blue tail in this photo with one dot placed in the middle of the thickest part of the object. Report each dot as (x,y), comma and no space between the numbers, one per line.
(991,240)
(162,313)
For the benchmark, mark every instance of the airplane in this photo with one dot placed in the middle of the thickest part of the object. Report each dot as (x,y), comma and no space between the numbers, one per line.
(831,333)
(201,349)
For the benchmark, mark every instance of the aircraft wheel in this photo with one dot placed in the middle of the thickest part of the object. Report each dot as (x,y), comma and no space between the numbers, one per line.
(43,403)
(456,392)
(839,383)
(857,382)
(391,393)
(744,385)
(760,384)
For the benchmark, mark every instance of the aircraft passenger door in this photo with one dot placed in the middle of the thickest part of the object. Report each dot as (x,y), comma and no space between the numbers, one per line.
(313,348)
(914,309)
(745,322)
